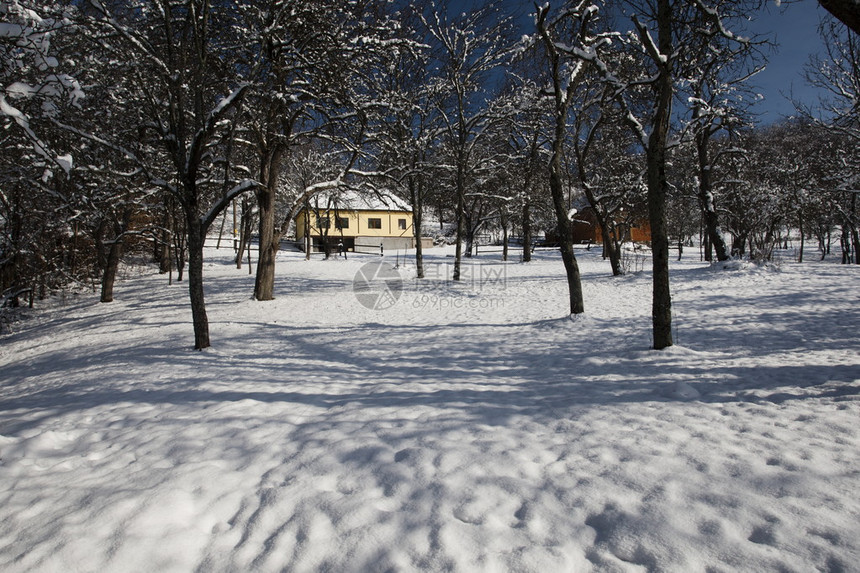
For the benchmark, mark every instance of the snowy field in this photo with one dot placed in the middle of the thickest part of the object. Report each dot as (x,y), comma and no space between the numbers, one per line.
(460,427)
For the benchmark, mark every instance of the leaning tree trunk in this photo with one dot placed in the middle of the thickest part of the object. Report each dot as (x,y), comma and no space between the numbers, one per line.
(556,176)
(601,214)
(240,248)
(610,248)
(568,257)
(246,228)
(556,185)
(612,252)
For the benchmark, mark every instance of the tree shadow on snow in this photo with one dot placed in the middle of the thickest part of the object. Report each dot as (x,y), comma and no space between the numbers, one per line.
(488,374)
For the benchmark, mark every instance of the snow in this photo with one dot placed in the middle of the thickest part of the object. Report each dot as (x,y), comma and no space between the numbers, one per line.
(20,89)
(468,427)
(366,200)
(65,161)
(10,111)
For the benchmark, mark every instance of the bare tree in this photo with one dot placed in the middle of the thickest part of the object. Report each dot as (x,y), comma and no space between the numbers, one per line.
(718,102)
(609,174)
(468,46)
(565,68)
(527,139)
(407,127)
(317,59)
(668,41)
(37,85)
(34,85)
(837,74)
(188,91)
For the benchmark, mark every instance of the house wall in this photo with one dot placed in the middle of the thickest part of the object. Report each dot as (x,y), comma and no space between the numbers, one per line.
(585,229)
(389,221)
(359,229)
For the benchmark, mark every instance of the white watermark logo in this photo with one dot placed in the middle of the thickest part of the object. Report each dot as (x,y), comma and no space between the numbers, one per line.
(377,285)
(435,301)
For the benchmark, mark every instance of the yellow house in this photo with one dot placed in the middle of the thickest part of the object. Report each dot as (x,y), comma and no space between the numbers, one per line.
(366,223)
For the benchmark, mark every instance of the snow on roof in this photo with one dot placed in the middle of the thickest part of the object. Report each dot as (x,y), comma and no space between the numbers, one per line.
(373,200)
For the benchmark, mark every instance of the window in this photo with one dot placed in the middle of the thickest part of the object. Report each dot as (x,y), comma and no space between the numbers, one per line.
(342,223)
(401,224)
(323,222)
(373,223)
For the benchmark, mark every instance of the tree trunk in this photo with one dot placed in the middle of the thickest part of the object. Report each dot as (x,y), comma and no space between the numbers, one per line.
(221,230)
(195,233)
(739,244)
(164,258)
(855,235)
(240,250)
(326,244)
(109,274)
(709,212)
(846,11)
(416,198)
(612,250)
(527,232)
(307,238)
(98,239)
(705,237)
(661,306)
(244,232)
(855,242)
(250,267)
(706,196)
(461,208)
(556,184)
(504,237)
(472,222)
(73,262)
(181,248)
(802,237)
(269,237)
(608,229)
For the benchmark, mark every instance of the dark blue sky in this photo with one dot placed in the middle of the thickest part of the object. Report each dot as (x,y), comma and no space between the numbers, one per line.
(794,27)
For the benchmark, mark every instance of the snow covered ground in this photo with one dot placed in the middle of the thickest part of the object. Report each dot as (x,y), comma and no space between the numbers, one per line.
(460,427)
